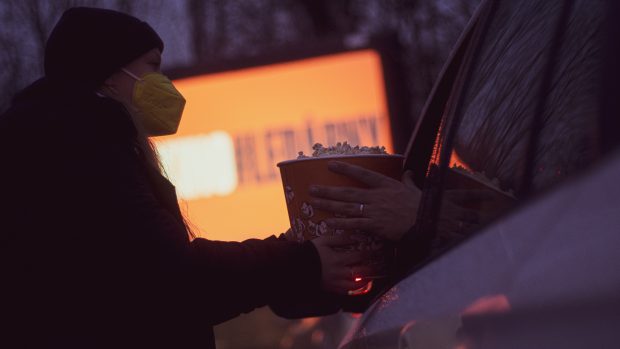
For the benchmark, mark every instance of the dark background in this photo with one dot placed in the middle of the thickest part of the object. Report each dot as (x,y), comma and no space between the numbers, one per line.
(199,31)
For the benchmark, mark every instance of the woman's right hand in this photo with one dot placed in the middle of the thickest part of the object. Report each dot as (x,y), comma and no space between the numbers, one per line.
(387,208)
(340,268)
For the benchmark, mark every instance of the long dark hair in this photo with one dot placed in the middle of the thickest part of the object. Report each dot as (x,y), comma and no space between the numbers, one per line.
(149,151)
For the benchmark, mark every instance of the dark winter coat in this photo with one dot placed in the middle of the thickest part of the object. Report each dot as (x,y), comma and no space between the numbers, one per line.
(93,249)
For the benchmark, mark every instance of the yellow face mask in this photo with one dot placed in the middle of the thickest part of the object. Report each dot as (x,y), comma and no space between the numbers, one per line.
(160,105)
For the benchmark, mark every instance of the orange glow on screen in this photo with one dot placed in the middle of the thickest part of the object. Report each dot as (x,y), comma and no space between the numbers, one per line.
(237,125)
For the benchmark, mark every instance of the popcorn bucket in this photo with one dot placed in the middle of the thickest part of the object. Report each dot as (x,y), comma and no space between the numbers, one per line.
(298,175)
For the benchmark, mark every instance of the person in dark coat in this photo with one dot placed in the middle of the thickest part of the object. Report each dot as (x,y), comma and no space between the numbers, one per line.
(94,251)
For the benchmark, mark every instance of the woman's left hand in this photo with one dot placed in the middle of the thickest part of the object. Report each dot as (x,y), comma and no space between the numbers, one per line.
(387,208)
(342,271)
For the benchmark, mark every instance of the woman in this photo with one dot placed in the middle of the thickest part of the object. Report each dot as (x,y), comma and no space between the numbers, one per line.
(95,251)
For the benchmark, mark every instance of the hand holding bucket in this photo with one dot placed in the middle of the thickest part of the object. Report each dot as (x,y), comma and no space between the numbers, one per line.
(309,222)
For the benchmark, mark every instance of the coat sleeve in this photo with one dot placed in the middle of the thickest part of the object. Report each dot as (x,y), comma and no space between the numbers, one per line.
(237,277)
(221,279)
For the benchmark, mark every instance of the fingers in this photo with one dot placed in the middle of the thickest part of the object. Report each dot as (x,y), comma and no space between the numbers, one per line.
(350,223)
(349,258)
(342,287)
(347,194)
(333,241)
(362,290)
(367,272)
(351,278)
(370,178)
(358,273)
(343,208)
(340,279)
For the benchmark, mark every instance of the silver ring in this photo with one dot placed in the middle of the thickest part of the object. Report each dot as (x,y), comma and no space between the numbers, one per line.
(361,209)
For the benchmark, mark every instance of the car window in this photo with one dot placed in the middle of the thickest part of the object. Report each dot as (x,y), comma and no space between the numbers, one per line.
(524,116)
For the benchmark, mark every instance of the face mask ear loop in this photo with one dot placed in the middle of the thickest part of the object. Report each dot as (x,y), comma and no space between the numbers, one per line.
(130,74)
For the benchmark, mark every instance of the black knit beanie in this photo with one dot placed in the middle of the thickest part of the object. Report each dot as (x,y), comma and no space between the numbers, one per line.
(88,45)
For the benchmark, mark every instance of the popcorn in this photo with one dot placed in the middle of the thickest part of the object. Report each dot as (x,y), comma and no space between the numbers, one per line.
(341,149)
(308,222)
(483,178)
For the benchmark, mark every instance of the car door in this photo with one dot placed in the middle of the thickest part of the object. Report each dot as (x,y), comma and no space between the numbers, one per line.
(516,112)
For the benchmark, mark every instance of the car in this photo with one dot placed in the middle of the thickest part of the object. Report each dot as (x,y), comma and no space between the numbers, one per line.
(516,152)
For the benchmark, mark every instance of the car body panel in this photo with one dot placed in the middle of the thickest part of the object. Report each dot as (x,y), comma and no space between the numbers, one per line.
(558,252)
